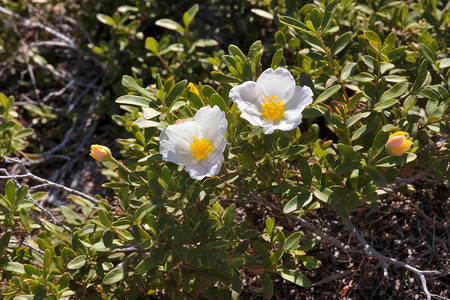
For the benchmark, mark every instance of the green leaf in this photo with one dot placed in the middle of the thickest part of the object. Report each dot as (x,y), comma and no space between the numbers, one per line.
(391,161)
(373,38)
(262,13)
(11,266)
(326,195)
(24,133)
(355,118)
(305,171)
(107,237)
(377,176)
(311,113)
(348,166)
(216,99)
(298,202)
(148,263)
(143,123)
(306,80)
(116,275)
(31,270)
(10,191)
(71,216)
(235,51)
(348,152)
(229,214)
(270,225)
(327,93)
(385,104)
(445,63)
(347,70)
(267,285)
(147,208)
(429,93)
(421,76)
(231,264)
(327,16)
(380,140)
(276,59)
(340,43)
(129,82)
(170,24)
(4,241)
(309,262)
(292,241)
(370,62)
(105,19)
(77,263)
(216,244)
(395,91)
(222,78)
(189,15)
(176,92)
(291,22)
(205,43)
(294,276)
(134,100)
(236,283)
(47,261)
(396,53)
(363,77)
(428,53)
(152,45)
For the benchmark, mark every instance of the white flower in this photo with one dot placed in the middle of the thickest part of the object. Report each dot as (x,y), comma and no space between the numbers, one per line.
(273,101)
(197,144)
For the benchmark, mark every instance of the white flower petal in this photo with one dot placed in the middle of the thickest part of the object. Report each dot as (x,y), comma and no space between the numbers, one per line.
(282,125)
(278,83)
(204,168)
(301,98)
(249,94)
(174,142)
(212,123)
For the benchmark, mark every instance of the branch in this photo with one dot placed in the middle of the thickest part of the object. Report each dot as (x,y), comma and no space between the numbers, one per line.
(391,261)
(44,211)
(32,23)
(45,182)
(317,232)
(23,243)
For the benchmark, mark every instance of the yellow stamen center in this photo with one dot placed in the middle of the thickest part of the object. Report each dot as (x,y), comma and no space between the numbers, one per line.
(273,109)
(200,148)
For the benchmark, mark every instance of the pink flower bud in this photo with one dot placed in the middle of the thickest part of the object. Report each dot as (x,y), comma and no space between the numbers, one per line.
(398,143)
(99,152)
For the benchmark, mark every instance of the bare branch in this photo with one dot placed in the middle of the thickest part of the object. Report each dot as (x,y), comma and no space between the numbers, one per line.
(45,182)
(44,211)
(371,252)
(23,243)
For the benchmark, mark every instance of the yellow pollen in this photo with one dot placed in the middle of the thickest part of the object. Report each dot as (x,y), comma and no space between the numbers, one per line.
(200,148)
(273,109)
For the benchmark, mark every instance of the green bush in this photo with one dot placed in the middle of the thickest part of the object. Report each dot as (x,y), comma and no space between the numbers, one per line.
(379,79)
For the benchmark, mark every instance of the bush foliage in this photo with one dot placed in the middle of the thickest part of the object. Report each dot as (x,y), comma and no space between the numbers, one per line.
(375,68)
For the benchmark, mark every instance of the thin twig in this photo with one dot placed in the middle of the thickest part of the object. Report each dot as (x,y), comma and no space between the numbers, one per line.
(46,182)
(61,145)
(44,211)
(130,249)
(391,261)
(317,232)
(27,245)
(32,23)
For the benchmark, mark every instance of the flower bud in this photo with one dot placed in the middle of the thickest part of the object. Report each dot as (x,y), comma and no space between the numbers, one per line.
(398,143)
(193,89)
(99,152)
